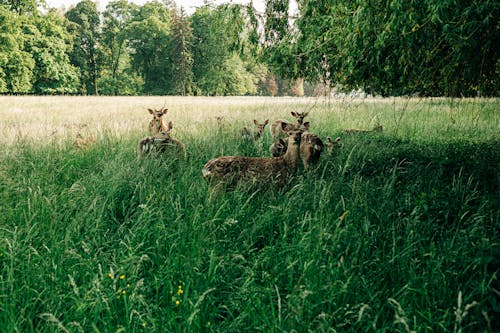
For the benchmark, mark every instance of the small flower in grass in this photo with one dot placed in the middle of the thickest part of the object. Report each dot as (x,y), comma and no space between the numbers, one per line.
(122,277)
(179,290)
(177,302)
(110,275)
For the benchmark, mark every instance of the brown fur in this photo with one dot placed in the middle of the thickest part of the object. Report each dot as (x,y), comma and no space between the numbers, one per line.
(157,125)
(254,133)
(160,143)
(311,147)
(332,145)
(230,170)
(276,127)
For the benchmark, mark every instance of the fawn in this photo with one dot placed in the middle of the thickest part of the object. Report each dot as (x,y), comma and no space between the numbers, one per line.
(311,147)
(230,170)
(332,145)
(254,133)
(276,129)
(156,125)
(160,143)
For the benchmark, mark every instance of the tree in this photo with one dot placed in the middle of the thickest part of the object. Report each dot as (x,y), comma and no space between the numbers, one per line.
(23,7)
(391,47)
(180,54)
(49,43)
(16,65)
(84,26)
(117,76)
(149,38)
(218,41)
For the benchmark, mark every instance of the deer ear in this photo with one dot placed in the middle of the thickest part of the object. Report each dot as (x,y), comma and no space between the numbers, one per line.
(306,125)
(305,114)
(329,139)
(266,122)
(170,125)
(337,139)
(255,122)
(151,111)
(294,114)
(165,111)
(284,126)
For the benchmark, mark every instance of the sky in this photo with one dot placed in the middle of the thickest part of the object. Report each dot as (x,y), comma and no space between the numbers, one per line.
(188,5)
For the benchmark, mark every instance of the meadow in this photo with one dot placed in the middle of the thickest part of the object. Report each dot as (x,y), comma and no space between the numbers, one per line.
(396,232)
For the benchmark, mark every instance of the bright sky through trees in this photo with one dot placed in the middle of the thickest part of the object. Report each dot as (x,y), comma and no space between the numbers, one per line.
(188,5)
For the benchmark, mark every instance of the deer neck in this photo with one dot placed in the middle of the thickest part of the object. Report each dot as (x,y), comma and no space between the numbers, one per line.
(292,154)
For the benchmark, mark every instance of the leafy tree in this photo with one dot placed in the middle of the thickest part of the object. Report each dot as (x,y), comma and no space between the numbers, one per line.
(23,7)
(117,77)
(394,47)
(180,54)
(218,41)
(49,44)
(149,39)
(16,65)
(84,26)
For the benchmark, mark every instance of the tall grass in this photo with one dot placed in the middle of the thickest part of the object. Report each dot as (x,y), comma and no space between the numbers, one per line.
(397,232)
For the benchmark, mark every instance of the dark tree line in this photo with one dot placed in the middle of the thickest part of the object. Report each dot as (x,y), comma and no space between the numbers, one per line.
(384,47)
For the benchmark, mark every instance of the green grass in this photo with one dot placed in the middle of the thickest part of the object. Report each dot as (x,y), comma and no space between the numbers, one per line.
(396,233)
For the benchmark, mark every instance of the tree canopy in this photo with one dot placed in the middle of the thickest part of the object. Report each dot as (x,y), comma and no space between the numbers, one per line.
(384,47)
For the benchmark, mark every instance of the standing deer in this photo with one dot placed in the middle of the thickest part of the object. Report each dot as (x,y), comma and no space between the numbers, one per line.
(276,129)
(254,133)
(311,147)
(157,125)
(230,170)
(160,143)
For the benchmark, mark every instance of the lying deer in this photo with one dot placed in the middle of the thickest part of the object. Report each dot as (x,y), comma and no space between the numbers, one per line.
(160,143)
(377,128)
(254,133)
(276,129)
(230,170)
(157,125)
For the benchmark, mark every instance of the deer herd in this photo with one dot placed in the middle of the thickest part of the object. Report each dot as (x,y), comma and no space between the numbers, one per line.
(294,147)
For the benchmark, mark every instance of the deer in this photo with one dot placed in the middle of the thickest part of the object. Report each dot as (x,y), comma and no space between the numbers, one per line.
(254,133)
(275,128)
(311,147)
(332,145)
(375,129)
(157,125)
(230,170)
(160,143)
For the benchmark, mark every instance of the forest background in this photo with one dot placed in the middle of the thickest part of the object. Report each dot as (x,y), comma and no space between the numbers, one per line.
(378,47)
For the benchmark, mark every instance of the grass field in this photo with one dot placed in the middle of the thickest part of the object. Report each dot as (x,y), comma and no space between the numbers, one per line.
(398,232)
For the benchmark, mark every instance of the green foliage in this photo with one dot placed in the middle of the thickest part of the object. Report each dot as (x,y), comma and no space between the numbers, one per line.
(49,44)
(117,78)
(84,26)
(16,65)
(180,53)
(149,36)
(398,48)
